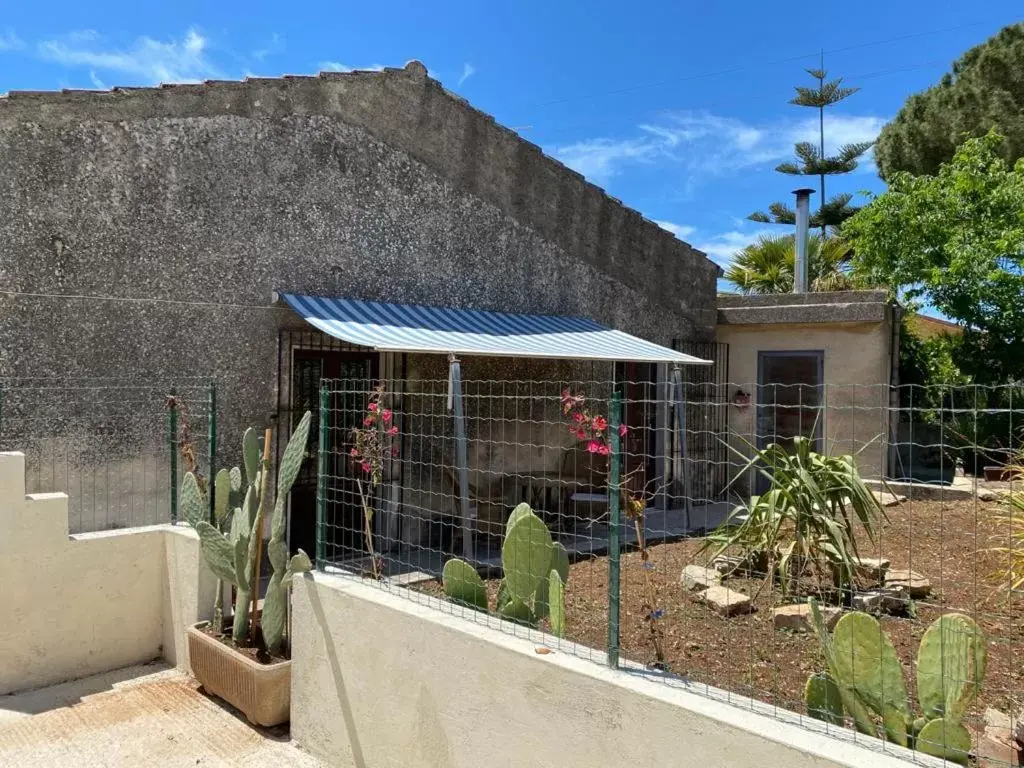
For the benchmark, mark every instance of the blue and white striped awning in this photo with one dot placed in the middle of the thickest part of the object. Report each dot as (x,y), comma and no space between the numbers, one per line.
(411,328)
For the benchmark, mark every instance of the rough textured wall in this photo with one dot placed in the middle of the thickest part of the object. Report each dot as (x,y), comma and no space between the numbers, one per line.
(191,204)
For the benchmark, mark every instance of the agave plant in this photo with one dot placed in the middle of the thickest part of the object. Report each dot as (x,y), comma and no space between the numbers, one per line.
(805,524)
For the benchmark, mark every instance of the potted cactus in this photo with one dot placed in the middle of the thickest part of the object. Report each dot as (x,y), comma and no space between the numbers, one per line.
(248,664)
(864,679)
(535,571)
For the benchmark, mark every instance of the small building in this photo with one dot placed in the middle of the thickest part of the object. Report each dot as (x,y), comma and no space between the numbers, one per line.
(146,232)
(816,365)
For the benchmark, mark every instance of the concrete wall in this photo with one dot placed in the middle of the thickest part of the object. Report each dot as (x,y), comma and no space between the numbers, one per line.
(855,333)
(378,680)
(188,205)
(80,605)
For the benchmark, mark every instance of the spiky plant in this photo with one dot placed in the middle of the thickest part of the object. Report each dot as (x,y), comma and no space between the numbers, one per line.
(767,265)
(1010,522)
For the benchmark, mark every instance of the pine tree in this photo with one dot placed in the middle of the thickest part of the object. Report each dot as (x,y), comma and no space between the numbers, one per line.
(812,160)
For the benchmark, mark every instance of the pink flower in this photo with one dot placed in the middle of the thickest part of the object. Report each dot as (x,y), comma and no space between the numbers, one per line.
(394,450)
(372,407)
(599,423)
(577,417)
(581,434)
(365,466)
(604,450)
(593,447)
(623,430)
(368,421)
(354,452)
(385,415)
(393,431)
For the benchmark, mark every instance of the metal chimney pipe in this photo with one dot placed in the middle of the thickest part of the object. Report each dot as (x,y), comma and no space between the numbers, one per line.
(803,221)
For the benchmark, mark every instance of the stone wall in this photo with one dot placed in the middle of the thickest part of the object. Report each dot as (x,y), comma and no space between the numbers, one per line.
(145,230)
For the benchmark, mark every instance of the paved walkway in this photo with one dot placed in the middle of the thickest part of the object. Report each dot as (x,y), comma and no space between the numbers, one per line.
(141,716)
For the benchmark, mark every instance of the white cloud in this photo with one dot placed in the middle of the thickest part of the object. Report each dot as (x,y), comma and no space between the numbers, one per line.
(705,144)
(96,82)
(720,248)
(600,159)
(154,61)
(10,41)
(274,45)
(468,70)
(337,66)
(679,230)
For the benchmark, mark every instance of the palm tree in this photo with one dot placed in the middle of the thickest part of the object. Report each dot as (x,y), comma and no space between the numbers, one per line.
(766,266)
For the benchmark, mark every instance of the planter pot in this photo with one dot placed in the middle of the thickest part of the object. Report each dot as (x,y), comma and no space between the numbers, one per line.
(262,692)
(993,474)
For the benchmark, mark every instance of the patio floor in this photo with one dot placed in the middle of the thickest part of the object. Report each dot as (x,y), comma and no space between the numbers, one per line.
(146,715)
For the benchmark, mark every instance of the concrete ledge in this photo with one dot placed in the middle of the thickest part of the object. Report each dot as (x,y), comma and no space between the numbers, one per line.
(838,307)
(470,695)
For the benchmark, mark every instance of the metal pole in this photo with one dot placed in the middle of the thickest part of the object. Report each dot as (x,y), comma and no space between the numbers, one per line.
(614,524)
(461,453)
(321,476)
(803,218)
(212,448)
(172,444)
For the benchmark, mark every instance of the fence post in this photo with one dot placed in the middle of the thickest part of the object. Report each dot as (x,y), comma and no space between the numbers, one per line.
(321,476)
(614,526)
(212,448)
(172,445)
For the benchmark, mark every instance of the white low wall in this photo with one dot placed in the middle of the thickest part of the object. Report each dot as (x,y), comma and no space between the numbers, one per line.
(378,680)
(78,605)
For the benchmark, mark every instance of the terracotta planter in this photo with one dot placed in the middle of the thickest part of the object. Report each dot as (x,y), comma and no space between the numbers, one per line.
(993,474)
(262,692)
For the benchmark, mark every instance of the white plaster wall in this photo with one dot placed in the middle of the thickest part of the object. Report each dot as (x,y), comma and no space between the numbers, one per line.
(378,680)
(76,606)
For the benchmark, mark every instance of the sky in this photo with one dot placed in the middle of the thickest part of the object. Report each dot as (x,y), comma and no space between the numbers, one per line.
(679,109)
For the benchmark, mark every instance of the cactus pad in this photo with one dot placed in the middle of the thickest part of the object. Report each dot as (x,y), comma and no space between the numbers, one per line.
(951,664)
(526,557)
(463,585)
(866,662)
(945,738)
(823,700)
(556,604)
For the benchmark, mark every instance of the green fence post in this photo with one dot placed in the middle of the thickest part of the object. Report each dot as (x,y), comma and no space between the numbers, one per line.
(614,418)
(212,448)
(172,445)
(321,476)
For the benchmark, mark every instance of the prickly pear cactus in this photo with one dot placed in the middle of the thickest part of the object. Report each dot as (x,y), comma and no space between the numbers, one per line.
(556,604)
(463,585)
(866,661)
(945,738)
(526,557)
(951,662)
(823,699)
(192,501)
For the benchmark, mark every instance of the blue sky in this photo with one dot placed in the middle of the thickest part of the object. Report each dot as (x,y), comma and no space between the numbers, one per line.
(677,108)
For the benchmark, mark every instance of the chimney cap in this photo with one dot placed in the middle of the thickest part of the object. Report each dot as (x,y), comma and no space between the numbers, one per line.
(803,191)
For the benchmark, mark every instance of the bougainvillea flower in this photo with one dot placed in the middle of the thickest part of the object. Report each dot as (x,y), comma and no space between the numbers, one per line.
(600,424)
(372,407)
(385,416)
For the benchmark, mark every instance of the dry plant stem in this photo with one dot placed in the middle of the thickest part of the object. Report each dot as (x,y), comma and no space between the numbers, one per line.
(659,652)
(258,532)
(367,532)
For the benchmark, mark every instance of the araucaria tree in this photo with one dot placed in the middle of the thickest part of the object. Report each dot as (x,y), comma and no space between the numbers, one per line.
(812,160)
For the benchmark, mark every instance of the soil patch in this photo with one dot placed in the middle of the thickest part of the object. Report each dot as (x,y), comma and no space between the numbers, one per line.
(947,542)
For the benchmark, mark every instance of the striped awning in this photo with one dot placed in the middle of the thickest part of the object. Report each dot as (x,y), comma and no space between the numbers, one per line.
(412,328)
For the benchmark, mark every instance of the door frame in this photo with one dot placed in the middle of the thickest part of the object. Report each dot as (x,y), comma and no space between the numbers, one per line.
(760,405)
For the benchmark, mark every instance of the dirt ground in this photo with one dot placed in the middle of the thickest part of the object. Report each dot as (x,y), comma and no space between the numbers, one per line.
(945,541)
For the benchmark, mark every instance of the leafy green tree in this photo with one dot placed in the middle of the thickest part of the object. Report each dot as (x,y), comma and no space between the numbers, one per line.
(956,240)
(984,91)
(812,160)
(766,266)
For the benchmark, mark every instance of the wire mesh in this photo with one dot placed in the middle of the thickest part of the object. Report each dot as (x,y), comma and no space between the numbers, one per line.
(942,538)
(112,445)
